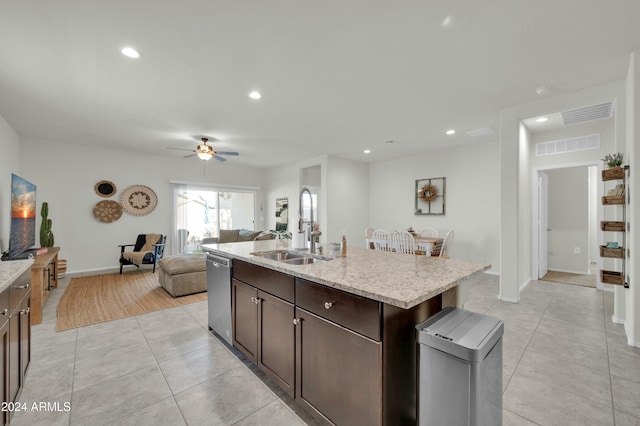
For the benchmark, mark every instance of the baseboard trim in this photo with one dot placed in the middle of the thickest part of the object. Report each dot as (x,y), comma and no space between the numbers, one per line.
(508,299)
(496,273)
(569,271)
(617,320)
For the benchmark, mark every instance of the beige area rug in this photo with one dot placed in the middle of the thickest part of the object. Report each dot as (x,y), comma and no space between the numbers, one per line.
(100,298)
(585,280)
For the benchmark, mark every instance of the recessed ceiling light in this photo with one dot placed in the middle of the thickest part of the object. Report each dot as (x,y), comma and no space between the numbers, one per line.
(367,151)
(255,95)
(130,52)
(541,119)
(450,132)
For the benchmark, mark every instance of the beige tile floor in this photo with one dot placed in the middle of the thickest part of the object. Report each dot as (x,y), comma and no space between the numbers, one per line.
(565,363)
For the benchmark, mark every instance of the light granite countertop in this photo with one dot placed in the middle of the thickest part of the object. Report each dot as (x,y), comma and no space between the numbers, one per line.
(12,269)
(396,279)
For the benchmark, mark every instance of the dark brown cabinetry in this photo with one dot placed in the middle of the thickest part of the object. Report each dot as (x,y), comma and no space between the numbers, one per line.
(15,335)
(347,360)
(263,323)
(338,371)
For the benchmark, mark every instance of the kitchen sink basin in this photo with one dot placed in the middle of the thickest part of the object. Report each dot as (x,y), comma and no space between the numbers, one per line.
(291,257)
(305,260)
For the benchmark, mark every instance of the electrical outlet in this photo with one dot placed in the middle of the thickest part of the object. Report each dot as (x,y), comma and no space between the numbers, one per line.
(576,250)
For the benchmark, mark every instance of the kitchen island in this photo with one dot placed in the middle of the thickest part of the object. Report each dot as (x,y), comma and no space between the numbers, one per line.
(339,335)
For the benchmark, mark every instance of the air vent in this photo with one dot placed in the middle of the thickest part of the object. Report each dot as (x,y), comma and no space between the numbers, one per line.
(593,112)
(561,146)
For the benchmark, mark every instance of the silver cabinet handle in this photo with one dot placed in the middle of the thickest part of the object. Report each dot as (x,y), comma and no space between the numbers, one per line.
(24,286)
(25,311)
(5,311)
(328,305)
(296,321)
(256,300)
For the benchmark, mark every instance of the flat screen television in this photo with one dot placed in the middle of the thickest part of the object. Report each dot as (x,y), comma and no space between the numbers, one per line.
(23,216)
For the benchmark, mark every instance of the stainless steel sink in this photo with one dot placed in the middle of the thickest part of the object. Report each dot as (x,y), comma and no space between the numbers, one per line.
(303,260)
(291,257)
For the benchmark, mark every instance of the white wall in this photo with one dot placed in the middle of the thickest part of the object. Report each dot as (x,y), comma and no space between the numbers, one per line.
(65,176)
(515,225)
(631,296)
(348,200)
(472,199)
(569,219)
(343,198)
(287,181)
(9,163)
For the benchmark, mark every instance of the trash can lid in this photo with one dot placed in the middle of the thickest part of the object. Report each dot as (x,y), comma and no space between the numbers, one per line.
(466,335)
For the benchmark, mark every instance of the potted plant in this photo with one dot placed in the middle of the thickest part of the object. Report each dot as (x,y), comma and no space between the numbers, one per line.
(615,170)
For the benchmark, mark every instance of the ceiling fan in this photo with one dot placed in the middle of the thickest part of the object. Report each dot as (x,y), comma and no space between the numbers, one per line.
(205,152)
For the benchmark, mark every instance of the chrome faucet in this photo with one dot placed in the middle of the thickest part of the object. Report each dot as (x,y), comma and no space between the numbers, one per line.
(313,234)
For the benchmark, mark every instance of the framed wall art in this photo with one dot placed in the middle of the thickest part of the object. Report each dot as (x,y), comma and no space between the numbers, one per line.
(282,213)
(430,196)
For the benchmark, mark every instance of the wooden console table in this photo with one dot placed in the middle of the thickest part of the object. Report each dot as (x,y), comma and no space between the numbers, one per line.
(44,278)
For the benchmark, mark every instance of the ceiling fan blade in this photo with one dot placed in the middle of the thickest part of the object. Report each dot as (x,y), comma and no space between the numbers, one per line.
(227,153)
(217,157)
(190,155)
(181,149)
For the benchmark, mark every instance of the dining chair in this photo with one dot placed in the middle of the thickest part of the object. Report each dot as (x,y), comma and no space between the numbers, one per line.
(403,242)
(429,233)
(381,240)
(425,247)
(368,233)
(446,245)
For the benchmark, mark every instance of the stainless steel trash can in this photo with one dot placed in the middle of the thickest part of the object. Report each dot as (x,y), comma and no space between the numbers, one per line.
(460,369)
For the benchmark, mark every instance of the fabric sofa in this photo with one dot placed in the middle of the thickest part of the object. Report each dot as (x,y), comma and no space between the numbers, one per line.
(237,235)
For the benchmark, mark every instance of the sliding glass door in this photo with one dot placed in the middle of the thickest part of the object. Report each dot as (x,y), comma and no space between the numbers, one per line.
(201,212)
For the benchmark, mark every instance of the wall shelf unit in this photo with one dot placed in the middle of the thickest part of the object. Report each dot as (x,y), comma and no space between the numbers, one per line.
(613,252)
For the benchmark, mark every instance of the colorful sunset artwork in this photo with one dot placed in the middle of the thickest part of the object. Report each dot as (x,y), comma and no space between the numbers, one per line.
(23,199)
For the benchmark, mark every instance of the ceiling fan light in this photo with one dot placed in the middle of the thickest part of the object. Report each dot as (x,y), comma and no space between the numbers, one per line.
(204,155)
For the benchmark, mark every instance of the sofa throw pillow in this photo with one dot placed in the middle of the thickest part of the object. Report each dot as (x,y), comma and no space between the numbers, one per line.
(228,235)
(247,235)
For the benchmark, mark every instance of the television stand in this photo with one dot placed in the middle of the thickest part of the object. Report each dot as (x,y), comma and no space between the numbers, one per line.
(44,278)
(27,254)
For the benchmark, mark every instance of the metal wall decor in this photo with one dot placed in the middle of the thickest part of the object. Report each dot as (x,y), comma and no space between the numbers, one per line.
(430,196)
(138,200)
(105,188)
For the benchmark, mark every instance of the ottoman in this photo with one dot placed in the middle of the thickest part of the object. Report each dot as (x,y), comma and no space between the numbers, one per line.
(182,275)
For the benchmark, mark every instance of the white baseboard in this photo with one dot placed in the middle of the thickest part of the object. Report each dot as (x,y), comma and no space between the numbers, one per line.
(569,271)
(617,320)
(523,286)
(496,273)
(507,299)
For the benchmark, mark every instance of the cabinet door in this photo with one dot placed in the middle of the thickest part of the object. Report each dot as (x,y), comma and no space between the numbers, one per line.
(245,319)
(338,371)
(25,337)
(4,368)
(276,337)
(14,355)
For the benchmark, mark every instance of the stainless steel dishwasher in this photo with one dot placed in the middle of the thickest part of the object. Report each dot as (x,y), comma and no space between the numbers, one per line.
(219,295)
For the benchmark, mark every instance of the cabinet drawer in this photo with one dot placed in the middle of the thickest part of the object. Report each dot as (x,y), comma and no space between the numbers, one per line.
(273,282)
(354,312)
(19,288)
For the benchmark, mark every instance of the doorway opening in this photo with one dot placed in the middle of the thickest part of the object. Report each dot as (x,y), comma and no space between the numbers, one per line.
(567,230)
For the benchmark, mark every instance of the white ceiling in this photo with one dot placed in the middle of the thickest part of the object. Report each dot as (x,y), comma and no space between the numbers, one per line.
(337,76)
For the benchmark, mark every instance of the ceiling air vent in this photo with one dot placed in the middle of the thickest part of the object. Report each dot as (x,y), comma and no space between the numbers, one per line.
(480,132)
(593,112)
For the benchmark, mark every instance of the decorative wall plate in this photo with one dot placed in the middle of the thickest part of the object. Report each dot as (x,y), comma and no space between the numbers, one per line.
(138,200)
(105,188)
(107,211)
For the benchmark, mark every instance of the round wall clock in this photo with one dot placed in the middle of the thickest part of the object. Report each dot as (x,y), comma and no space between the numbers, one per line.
(105,188)
(107,211)
(138,200)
